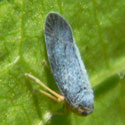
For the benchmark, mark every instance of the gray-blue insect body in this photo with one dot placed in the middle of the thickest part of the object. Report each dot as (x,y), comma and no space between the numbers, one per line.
(67,66)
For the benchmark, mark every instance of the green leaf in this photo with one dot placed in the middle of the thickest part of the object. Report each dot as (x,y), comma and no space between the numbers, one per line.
(98,28)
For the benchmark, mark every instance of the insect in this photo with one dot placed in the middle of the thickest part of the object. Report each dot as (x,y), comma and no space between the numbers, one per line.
(67,66)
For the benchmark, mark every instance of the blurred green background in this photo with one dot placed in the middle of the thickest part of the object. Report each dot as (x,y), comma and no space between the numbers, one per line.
(98,28)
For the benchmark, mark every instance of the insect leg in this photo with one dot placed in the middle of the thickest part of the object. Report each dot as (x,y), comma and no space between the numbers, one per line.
(59,97)
(45,63)
(49,95)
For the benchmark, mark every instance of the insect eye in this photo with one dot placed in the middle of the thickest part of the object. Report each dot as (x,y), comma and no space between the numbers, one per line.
(84,113)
